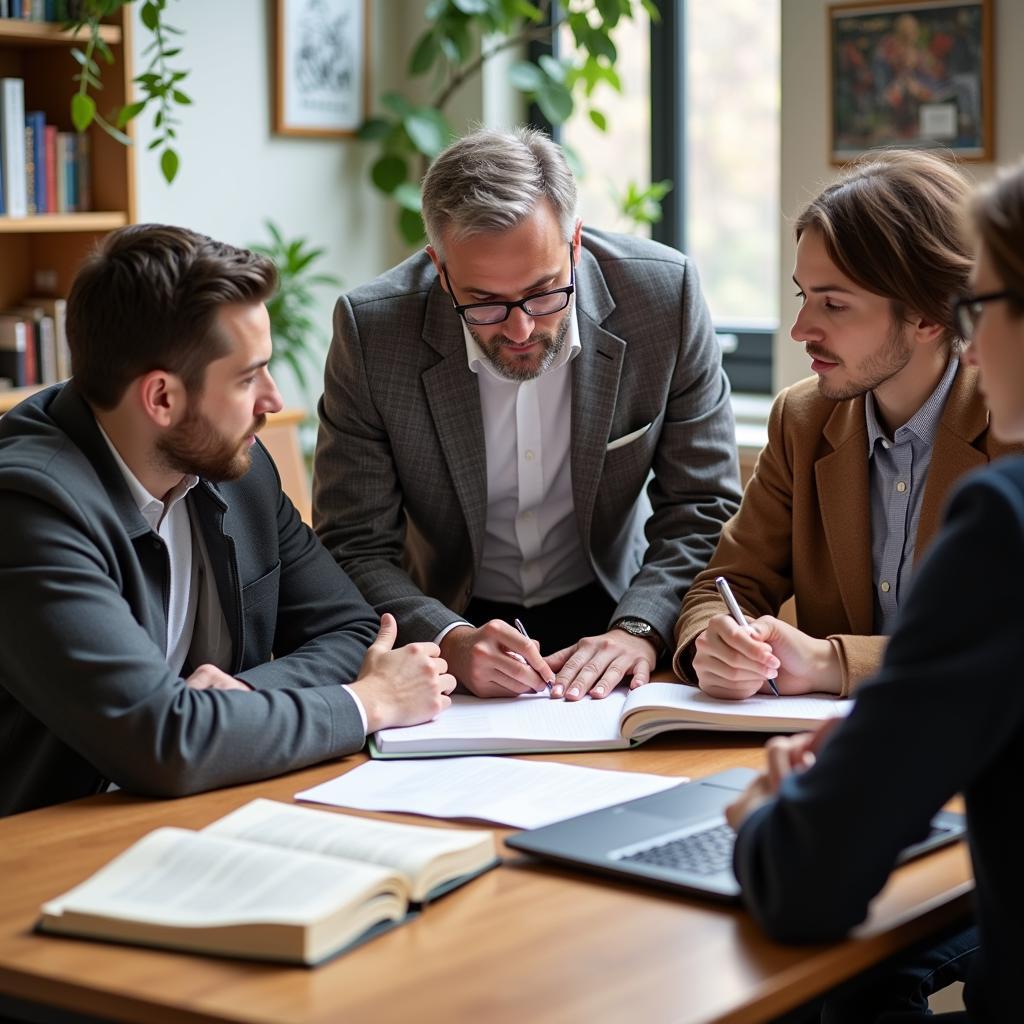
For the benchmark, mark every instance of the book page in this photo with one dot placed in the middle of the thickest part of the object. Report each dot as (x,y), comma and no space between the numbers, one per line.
(190,879)
(531,720)
(525,794)
(655,707)
(405,848)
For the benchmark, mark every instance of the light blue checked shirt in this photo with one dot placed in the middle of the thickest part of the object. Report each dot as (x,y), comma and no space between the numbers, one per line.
(898,470)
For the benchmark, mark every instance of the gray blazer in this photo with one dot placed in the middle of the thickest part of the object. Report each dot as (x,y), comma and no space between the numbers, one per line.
(85,692)
(400,486)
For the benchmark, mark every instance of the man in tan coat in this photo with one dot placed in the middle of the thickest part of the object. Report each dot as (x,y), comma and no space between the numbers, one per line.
(847,494)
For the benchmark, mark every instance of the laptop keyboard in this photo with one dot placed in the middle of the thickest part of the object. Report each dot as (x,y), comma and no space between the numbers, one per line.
(704,852)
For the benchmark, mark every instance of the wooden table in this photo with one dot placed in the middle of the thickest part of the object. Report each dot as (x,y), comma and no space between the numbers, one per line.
(525,942)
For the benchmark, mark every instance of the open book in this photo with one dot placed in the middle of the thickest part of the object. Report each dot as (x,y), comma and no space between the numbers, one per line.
(536,723)
(269,881)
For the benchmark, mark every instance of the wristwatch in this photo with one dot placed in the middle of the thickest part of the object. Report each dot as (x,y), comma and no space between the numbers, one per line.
(638,627)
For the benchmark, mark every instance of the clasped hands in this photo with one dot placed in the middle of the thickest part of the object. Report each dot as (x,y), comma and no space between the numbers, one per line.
(496,660)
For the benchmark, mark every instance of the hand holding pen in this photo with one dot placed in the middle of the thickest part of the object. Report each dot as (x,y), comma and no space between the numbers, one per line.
(737,613)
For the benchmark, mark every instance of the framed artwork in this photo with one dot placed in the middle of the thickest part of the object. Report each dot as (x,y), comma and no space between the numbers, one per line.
(915,74)
(321,67)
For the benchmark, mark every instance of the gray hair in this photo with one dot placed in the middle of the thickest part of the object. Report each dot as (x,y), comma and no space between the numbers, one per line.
(492,181)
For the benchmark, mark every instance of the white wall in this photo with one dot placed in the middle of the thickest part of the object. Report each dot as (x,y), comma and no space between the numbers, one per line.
(804,142)
(235,172)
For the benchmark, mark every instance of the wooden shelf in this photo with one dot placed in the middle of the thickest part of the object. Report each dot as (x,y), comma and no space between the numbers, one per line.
(51,222)
(44,33)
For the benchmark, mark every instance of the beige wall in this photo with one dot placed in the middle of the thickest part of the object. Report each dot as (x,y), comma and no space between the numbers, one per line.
(235,172)
(805,165)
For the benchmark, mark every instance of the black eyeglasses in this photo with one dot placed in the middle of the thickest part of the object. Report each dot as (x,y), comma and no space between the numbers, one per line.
(968,310)
(544,304)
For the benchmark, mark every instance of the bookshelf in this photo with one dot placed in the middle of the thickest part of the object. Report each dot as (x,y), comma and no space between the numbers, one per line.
(40,253)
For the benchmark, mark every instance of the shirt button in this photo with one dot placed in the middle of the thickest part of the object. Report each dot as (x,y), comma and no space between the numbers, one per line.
(885,586)
(901,487)
(529,455)
(886,445)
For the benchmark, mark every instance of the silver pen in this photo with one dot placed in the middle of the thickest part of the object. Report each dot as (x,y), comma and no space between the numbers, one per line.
(522,629)
(737,613)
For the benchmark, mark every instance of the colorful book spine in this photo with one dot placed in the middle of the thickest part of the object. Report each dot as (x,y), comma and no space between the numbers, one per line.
(50,147)
(35,153)
(61,163)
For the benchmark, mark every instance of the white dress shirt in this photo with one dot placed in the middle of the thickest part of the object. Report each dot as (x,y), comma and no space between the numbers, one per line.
(532,551)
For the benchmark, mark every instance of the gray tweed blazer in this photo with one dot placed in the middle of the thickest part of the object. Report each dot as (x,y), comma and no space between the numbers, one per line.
(400,492)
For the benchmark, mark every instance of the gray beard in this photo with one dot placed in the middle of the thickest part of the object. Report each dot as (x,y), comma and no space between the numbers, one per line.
(553,345)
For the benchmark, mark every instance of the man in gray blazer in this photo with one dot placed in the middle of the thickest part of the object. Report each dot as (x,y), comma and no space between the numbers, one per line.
(167,622)
(525,421)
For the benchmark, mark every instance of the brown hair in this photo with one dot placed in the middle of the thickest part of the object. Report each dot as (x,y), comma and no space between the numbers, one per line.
(147,300)
(890,223)
(997,212)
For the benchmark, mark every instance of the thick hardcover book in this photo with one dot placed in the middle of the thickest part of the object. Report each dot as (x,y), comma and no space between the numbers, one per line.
(270,881)
(535,723)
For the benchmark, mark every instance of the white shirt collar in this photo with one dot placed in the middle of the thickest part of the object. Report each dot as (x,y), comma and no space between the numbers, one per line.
(476,358)
(152,508)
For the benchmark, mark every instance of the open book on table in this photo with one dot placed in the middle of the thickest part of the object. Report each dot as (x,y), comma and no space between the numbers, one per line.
(269,881)
(535,723)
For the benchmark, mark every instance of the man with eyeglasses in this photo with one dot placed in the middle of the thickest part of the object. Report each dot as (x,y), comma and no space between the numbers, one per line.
(526,422)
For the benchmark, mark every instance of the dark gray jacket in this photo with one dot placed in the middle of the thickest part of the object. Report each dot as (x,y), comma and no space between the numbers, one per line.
(85,692)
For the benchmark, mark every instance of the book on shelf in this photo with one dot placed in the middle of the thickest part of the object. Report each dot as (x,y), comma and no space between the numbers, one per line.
(13,345)
(270,881)
(12,146)
(54,309)
(42,170)
(534,723)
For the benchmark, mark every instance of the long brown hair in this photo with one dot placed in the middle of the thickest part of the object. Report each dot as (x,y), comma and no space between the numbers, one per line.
(890,223)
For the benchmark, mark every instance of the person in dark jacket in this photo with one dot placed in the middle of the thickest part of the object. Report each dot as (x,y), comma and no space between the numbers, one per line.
(167,622)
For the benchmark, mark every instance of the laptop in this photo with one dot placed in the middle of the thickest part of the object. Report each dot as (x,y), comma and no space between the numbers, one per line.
(678,839)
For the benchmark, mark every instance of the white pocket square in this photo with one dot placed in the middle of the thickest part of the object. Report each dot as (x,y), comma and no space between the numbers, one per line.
(621,442)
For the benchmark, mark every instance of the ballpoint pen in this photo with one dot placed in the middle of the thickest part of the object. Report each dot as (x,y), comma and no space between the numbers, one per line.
(737,613)
(522,629)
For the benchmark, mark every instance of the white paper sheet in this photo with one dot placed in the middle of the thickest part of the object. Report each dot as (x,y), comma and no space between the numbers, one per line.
(505,790)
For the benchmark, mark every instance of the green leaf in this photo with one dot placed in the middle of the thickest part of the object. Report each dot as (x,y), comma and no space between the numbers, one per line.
(610,11)
(408,196)
(410,225)
(396,103)
(428,129)
(459,42)
(83,109)
(125,114)
(600,45)
(169,165)
(525,76)
(652,10)
(555,101)
(151,18)
(181,97)
(435,9)
(599,120)
(554,69)
(389,172)
(85,61)
(423,56)
(374,129)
